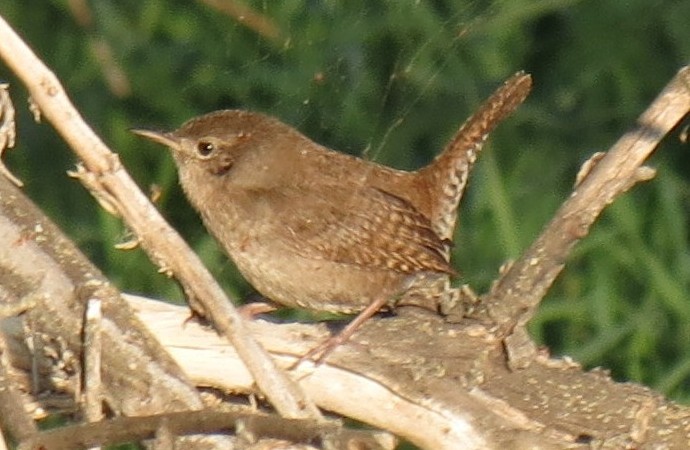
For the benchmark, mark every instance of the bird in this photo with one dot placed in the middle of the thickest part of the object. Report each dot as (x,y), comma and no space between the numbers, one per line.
(313,228)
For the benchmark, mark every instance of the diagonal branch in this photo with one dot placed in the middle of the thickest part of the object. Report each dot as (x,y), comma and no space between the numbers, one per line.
(162,243)
(515,296)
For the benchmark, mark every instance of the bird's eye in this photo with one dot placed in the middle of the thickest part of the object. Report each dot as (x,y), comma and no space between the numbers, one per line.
(205,148)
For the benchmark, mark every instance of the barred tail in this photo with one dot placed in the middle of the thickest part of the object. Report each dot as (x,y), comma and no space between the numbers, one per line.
(447,174)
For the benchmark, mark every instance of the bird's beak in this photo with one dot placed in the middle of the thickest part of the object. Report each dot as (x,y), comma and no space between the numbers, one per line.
(167,139)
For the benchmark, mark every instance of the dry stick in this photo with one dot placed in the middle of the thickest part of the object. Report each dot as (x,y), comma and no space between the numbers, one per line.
(113,73)
(13,416)
(110,181)
(245,15)
(93,394)
(7,130)
(120,429)
(517,293)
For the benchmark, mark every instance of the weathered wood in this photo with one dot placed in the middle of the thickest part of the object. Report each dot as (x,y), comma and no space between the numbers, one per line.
(48,280)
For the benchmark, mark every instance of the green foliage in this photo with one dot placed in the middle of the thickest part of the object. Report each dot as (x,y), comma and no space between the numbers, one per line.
(393,80)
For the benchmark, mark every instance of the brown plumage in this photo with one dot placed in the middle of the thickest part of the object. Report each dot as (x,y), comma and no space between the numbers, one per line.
(319,229)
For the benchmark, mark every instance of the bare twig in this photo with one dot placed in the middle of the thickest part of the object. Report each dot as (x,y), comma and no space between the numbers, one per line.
(162,243)
(251,19)
(13,416)
(113,73)
(515,296)
(92,361)
(81,12)
(115,77)
(7,130)
(260,425)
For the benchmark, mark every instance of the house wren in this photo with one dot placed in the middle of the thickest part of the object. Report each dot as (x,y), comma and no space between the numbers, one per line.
(313,228)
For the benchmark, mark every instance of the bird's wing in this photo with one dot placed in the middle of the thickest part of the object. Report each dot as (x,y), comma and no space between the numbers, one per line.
(364,226)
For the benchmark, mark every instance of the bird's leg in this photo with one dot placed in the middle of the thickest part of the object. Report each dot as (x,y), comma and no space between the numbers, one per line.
(325,348)
(249,311)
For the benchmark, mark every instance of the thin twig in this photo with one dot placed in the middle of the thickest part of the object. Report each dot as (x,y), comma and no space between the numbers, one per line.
(13,416)
(7,130)
(251,19)
(93,394)
(118,429)
(515,296)
(113,73)
(161,242)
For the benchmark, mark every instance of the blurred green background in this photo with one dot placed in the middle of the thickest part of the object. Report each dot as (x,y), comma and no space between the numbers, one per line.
(393,80)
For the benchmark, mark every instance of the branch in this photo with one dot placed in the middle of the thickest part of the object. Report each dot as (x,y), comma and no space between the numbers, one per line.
(106,178)
(13,416)
(516,295)
(45,279)
(7,130)
(248,426)
(438,385)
